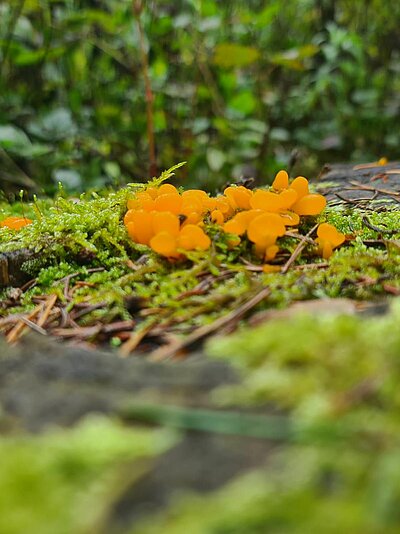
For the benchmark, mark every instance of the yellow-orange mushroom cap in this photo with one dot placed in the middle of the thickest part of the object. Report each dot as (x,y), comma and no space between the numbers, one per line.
(142,200)
(287,198)
(15,223)
(330,233)
(128,216)
(233,242)
(271,252)
(271,268)
(328,239)
(195,193)
(260,247)
(281,181)
(192,218)
(152,191)
(165,244)
(191,204)
(168,202)
(217,217)
(165,221)
(192,237)
(167,189)
(264,226)
(290,218)
(141,230)
(300,185)
(223,205)
(266,200)
(239,197)
(209,204)
(311,204)
(239,223)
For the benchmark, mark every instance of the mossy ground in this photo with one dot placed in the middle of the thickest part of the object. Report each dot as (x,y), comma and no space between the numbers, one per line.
(69,489)
(75,236)
(333,378)
(336,379)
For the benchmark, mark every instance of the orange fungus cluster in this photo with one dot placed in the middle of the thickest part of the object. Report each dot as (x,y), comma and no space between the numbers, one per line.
(173,223)
(15,223)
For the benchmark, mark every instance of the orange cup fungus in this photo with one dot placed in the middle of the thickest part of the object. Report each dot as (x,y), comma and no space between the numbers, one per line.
(172,223)
(328,239)
(15,223)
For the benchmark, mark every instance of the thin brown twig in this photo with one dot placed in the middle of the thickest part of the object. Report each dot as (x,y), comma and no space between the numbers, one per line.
(34,326)
(17,330)
(136,337)
(47,310)
(371,226)
(358,200)
(359,185)
(299,237)
(79,332)
(298,250)
(306,266)
(88,309)
(206,330)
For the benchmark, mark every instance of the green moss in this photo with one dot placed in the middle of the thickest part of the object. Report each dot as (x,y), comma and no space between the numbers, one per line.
(305,490)
(309,362)
(73,236)
(67,489)
(327,371)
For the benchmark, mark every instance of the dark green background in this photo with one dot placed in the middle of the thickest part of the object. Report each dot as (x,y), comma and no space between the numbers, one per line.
(238,86)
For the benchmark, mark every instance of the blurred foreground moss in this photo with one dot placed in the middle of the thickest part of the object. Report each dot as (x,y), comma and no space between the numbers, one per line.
(327,370)
(63,481)
(305,490)
(319,366)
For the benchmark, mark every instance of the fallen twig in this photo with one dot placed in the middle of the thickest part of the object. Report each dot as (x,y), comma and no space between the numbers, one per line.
(17,330)
(47,310)
(298,250)
(206,330)
(369,225)
(34,326)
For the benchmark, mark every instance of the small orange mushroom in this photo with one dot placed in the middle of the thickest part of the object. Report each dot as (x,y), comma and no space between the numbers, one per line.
(167,189)
(281,181)
(217,217)
(239,223)
(15,223)
(165,244)
(300,185)
(290,218)
(239,197)
(287,198)
(264,227)
(139,224)
(165,221)
(192,237)
(267,201)
(328,239)
(223,205)
(192,218)
(191,205)
(267,268)
(168,202)
(311,204)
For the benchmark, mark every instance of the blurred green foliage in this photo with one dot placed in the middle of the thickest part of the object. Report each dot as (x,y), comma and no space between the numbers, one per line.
(71,488)
(237,87)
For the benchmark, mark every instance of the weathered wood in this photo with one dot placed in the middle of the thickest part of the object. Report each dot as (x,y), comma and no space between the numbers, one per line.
(367,185)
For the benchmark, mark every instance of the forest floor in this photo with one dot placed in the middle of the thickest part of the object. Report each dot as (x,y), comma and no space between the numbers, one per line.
(288,418)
